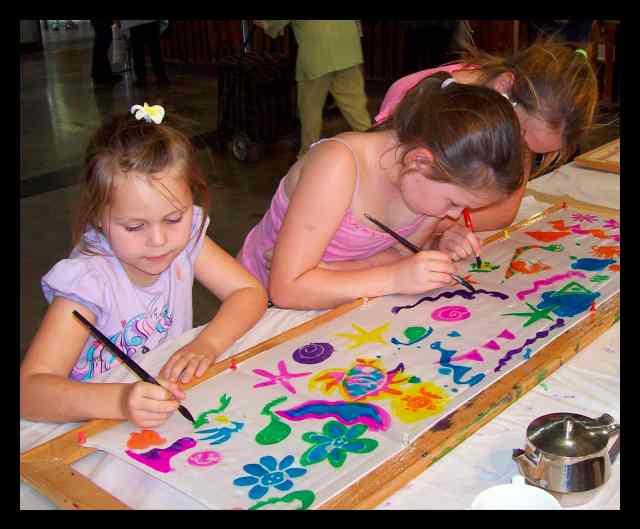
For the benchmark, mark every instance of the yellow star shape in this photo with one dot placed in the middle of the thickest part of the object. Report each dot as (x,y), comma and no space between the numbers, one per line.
(362,337)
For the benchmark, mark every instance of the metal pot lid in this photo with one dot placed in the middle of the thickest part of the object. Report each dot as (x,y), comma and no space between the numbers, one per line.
(566,435)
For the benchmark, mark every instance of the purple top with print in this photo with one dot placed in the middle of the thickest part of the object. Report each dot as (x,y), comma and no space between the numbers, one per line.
(137,319)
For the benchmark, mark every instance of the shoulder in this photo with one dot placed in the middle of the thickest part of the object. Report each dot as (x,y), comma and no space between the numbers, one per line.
(82,278)
(334,160)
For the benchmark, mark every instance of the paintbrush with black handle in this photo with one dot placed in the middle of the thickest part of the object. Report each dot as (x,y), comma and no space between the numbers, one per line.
(146,377)
(409,245)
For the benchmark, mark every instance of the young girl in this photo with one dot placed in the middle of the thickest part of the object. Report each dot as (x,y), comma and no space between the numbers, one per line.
(448,146)
(139,243)
(555,93)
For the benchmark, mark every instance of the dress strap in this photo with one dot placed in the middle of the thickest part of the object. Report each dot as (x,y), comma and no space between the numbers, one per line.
(339,140)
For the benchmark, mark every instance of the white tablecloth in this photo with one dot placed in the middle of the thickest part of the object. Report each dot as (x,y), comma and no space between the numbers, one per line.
(588,384)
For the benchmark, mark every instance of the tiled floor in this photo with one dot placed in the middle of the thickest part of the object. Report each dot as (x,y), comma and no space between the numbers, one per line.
(59,108)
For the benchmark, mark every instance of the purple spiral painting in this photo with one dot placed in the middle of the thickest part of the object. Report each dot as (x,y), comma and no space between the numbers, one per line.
(313,353)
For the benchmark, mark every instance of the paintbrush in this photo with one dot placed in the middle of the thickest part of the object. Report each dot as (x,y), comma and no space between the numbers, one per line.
(467,223)
(146,377)
(409,245)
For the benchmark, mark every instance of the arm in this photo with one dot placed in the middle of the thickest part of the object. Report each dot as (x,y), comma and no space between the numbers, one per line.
(46,394)
(323,193)
(244,301)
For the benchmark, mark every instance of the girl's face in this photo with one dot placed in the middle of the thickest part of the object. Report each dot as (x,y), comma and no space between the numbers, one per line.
(539,136)
(149,223)
(441,199)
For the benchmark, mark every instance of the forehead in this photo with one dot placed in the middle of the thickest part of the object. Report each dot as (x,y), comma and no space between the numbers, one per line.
(135,193)
(539,135)
(469,198)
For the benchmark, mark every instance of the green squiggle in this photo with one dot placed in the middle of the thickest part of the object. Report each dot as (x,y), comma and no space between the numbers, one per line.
(276,430)
(304,497)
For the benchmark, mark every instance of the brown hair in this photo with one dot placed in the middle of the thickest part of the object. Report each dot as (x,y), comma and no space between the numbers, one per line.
(125,144)
(472,132)
(552,82)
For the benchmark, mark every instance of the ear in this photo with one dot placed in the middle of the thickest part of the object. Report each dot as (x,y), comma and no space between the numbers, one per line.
(420,158)
(504,82)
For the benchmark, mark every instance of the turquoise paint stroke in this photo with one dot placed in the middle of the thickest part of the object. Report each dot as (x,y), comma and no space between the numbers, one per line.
(458,371)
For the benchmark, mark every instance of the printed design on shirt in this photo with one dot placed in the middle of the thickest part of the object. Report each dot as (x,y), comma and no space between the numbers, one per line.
(132,339)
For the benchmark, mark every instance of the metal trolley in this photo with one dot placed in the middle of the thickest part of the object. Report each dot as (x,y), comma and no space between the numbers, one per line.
(256,100)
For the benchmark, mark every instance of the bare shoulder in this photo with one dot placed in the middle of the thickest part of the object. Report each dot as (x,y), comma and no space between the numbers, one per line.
(331,163)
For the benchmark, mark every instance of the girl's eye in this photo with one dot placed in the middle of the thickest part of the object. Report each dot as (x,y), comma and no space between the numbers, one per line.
(133,228)
(174,221)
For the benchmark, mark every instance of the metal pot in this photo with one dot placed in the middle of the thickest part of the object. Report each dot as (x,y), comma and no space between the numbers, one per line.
(567,452)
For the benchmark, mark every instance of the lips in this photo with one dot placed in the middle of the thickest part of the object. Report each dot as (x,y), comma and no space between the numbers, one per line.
(159,257)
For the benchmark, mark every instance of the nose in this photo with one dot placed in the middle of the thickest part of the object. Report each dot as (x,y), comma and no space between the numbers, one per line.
(157,236)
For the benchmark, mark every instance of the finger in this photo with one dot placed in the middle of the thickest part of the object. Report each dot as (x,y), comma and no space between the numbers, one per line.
(166,368)
(158,407)
(174,391)
(435,255)
(178,368)
(475,243)
(189,370)
(444,267)
(202,367)
(147,419)
(440,279)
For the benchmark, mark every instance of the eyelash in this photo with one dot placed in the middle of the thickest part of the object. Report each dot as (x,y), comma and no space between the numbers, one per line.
(137,228)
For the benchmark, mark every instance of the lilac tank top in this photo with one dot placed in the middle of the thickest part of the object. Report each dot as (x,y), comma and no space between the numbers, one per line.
(352,240)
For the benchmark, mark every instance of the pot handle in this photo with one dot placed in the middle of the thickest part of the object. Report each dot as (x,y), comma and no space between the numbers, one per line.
(615,447)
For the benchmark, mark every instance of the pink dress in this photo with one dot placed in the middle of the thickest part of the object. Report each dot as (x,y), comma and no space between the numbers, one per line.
(351,242)
(397,91)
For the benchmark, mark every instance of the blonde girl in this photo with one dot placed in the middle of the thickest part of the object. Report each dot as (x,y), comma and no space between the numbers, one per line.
(139,243)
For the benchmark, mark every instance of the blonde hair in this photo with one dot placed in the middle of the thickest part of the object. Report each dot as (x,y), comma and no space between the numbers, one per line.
(471,130)
(124,144)
(551,82)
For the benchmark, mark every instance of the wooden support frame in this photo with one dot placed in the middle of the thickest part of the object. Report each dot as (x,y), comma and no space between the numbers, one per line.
(599,158)
(47,467)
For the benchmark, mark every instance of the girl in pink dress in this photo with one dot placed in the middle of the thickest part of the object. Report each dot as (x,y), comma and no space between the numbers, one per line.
(449,146)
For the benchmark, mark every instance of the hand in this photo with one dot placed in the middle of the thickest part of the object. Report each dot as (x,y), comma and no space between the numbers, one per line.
(148,406)
(459,243)
(423,271)
(191,360)
(259,23)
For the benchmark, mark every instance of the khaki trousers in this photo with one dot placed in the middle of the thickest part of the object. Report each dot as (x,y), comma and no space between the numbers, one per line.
(347,88)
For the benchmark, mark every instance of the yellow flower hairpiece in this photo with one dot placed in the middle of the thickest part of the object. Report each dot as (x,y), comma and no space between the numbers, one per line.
(149,114)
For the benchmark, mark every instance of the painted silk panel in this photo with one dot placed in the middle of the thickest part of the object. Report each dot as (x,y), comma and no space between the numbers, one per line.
(297,424)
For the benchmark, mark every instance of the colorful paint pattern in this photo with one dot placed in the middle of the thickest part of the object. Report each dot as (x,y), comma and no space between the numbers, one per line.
(335,443)
(348,413)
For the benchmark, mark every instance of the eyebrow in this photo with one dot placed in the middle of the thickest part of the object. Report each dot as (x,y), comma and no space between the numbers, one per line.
(135,219)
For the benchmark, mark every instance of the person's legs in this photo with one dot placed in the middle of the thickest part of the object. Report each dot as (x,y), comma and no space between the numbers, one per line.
(100,65)
(152,37)
(347,89)
(137,50)
(311,98)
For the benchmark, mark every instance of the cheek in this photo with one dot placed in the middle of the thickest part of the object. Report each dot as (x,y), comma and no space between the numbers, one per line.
(543,142)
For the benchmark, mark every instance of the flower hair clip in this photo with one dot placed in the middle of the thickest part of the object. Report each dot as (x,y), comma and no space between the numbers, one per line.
(153,114)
